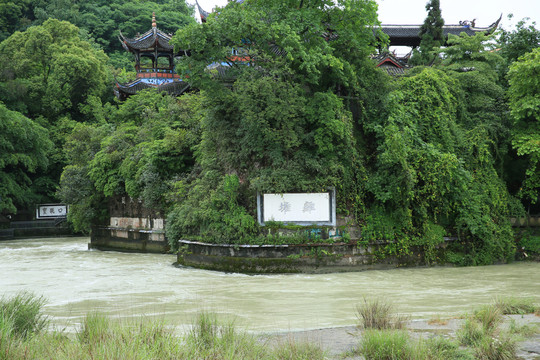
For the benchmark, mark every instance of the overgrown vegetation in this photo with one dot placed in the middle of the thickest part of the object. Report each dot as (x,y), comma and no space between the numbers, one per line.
(21,316)
(514,305)
(448,150)
(22,336)
(378,314)
(480,337)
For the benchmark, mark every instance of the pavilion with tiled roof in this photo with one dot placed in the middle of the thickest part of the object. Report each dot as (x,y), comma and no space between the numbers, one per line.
(154,63)
(390,63)
(409,35)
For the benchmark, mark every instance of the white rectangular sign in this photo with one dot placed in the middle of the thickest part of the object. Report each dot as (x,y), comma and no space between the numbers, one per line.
(297,208)
(51,211)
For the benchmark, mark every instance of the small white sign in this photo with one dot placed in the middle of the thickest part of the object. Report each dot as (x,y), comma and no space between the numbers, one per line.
(301,208)
(51,211)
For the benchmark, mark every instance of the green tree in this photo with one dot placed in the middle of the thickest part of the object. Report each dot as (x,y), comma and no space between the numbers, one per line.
(524,97)
(135,149)
(523,39)
(434,175)
(431,36)
(49,71)
(472,61)
(24,148)
(14,15)
(87,205)
(277,112)
(103,19)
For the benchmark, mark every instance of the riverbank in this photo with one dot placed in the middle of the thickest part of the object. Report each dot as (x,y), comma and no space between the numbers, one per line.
(340,343)
(485,334)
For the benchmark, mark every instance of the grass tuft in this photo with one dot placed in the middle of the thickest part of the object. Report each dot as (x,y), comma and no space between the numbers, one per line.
(516,306)
(292,350)
(21,315)
(525,330)
(386,345)
(377,314)
(440,348)
(489,316)
(502,348)
(470,333)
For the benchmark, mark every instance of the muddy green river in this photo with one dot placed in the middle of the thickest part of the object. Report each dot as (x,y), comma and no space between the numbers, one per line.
(76,281)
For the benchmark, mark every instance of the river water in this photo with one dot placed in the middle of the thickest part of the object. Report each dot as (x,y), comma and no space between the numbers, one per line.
(76,281)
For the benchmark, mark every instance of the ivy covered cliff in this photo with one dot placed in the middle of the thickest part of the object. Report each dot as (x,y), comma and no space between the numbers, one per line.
(284,97)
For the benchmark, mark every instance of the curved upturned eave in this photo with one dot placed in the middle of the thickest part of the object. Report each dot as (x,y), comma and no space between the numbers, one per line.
(172,88)
(150,39)
(409,35)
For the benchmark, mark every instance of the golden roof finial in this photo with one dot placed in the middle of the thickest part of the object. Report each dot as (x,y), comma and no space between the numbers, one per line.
(154,20)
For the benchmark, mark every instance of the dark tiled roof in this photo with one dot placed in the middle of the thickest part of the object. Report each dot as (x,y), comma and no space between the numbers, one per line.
(390,63)
(204,14)
(392,70)
(149,39)
(176,87)
(409,35)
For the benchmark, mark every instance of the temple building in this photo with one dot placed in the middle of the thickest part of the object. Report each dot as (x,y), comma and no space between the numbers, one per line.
(154,63)
(409,35)
(390,63)
(401,35)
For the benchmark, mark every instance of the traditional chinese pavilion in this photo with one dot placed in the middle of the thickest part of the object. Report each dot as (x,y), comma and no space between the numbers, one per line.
(390,63)
(154,63)
(409,35)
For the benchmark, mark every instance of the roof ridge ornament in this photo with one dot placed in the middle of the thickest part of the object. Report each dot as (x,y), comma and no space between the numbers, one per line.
(154,24)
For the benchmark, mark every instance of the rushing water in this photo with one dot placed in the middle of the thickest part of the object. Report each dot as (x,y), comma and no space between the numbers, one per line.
(76,281)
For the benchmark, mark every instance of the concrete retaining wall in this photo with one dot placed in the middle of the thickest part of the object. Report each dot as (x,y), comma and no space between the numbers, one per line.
(132,227)
(532,221)
(128,239)
(314,258)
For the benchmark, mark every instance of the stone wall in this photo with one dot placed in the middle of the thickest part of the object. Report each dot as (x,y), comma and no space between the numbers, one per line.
(529,221)
(312,258)
(127,239)
(36,228)
(132,227)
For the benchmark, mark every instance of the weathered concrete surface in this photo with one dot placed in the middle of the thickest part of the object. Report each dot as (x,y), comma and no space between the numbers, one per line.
(126,239)
(302,258)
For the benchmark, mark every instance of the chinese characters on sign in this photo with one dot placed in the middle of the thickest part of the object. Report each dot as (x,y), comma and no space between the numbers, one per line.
(51,211)
(285,207)
(297,208)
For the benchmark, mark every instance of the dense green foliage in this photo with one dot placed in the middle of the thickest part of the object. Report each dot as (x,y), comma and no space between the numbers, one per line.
(24,146)
(515,43)
(133,149)
(285,99)
(431,36)
(281,126)
(24,336)
(525,109)
(58,75)
(101,20)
